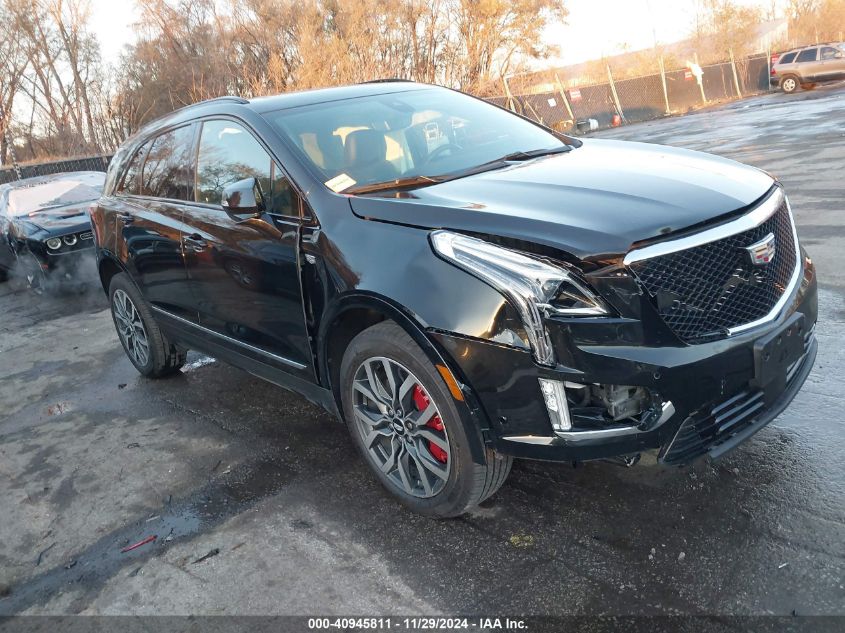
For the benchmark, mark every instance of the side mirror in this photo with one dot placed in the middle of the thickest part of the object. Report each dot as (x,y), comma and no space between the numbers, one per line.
(243,199)
(838,55)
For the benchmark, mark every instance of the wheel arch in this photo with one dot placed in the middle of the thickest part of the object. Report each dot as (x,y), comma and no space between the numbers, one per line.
(354,313)
(108,266)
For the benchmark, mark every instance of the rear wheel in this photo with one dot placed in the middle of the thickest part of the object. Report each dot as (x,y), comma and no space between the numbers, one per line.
(145,345)
(405,423)
(789,84)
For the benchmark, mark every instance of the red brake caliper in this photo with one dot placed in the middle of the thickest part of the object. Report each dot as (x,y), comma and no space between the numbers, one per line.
(421,402)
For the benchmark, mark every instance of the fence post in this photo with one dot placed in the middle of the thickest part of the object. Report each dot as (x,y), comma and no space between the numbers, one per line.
(768,68)
(663,81)
(536,114)
(615,96)
(565,99)
(508,94)
(736,78)
(11,146)
(700,83)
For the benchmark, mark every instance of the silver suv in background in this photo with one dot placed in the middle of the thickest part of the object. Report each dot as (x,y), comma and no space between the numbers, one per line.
(807,66)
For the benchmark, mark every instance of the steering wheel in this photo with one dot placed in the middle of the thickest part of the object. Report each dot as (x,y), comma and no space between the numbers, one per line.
(438,151)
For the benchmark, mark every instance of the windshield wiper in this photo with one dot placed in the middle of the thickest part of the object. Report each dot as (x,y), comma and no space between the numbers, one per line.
(528,155)
(399,183)
(422,181)
(503,161)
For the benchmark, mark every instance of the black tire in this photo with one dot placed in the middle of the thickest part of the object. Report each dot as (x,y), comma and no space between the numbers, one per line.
(467,483)
(790,84)
(163,358)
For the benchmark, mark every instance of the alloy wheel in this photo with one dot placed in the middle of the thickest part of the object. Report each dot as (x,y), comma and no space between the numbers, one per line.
(401,427)
(789,84)
(130,328)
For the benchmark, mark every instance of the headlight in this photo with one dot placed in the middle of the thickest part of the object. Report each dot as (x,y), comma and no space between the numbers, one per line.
(70,240)
(534,286)
(54,243)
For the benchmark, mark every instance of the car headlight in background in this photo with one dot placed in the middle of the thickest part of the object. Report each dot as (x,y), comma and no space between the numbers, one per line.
(54,243)
(534,286)
(70,240)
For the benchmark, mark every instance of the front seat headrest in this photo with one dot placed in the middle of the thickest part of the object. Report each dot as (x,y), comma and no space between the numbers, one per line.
(364,147)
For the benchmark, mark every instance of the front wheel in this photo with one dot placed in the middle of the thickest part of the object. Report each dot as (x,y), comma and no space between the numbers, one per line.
(32,272)
(145,345)
(405,423)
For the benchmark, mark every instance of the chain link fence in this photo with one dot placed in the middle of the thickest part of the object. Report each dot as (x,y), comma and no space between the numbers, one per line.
(90,163)
(620,101)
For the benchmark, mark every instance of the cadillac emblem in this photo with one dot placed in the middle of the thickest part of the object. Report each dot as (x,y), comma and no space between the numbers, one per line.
(762,252)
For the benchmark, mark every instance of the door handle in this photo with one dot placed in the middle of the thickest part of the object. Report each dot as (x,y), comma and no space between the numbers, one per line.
(195,242)
(126,218)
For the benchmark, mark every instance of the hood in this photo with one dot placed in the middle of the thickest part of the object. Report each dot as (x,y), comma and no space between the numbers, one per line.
(59,220)
(594,201)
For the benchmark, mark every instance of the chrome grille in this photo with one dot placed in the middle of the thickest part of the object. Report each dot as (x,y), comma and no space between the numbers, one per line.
(703,291)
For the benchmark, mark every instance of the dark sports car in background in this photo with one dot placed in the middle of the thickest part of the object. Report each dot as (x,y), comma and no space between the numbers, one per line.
(44,225)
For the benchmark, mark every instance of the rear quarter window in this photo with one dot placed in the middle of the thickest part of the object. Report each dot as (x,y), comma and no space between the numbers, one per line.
(168,168)
(787,59)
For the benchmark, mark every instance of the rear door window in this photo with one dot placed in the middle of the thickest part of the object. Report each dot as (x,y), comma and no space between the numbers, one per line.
(787,59)
(167,169)
(228,152)
(808,55)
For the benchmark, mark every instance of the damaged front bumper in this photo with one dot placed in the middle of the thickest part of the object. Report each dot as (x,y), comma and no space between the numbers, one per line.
(702,399)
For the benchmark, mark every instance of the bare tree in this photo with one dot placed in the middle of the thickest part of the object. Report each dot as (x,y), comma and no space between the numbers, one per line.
(62,69)
(813,21)
(189,50)
(727,27)
(13,64)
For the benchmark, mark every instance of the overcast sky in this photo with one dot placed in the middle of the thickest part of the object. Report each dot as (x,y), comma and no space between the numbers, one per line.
(595,27)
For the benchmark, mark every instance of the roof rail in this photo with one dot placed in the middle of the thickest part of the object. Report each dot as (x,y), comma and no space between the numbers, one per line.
(155,122)
(834,42)
(231,98)
(222,98)
(388,80)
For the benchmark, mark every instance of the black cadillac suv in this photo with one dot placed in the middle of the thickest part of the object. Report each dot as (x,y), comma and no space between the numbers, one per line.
(459,284)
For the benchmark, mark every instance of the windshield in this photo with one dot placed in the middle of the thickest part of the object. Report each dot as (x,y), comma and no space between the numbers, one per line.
(423,134)
(31,198)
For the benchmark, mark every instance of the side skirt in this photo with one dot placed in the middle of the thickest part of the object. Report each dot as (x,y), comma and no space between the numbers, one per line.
(228,352)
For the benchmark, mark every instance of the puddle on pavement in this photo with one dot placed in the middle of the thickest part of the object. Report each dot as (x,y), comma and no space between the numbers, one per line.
(220,499)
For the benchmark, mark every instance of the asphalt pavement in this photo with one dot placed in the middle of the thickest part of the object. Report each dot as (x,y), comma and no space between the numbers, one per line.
(259,503)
